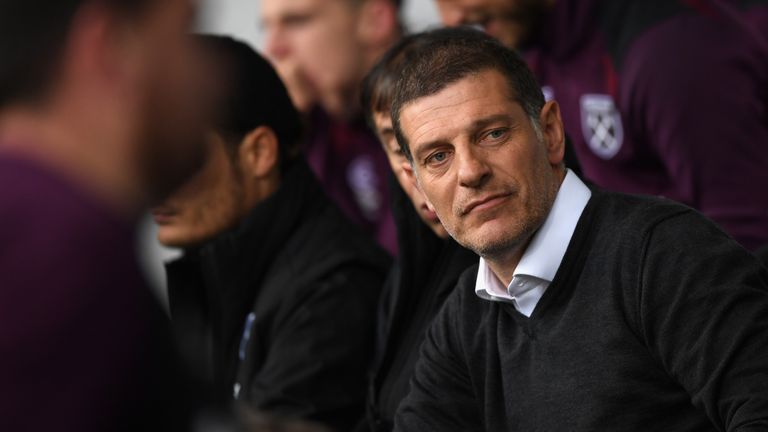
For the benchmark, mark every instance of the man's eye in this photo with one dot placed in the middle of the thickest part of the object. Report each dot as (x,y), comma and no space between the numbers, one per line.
(497,134)
(296,20)
(437,158)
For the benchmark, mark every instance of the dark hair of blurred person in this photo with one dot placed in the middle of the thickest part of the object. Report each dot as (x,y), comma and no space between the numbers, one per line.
(98,107)
(274,297)
(428,265)
(641,87)
(323,49)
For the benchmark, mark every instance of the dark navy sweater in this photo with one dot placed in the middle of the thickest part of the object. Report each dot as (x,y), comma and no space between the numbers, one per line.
(656,320)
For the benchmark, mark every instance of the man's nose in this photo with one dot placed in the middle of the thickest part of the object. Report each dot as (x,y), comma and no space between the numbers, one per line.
(473,170)
(276,46)
(452,16)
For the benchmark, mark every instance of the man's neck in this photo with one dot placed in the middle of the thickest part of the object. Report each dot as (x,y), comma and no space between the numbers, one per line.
(344,105)
(504,264)
(92,164)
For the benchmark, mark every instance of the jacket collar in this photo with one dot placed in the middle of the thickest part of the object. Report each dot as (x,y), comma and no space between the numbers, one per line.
(234,265)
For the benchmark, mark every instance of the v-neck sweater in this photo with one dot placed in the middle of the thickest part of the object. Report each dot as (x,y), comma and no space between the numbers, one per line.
(655,320)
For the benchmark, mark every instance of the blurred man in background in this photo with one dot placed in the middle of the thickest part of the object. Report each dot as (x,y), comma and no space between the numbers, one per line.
(98,107)
(275,295)
(660,97)
(322,50)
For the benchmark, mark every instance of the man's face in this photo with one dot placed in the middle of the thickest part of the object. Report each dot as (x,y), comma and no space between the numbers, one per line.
(509,21)
(397,160)
(168,97)
(481,164)
(212,202)
(315,47)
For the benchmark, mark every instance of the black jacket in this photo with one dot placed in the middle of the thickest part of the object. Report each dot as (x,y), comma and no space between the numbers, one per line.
(426,272)
(279,313)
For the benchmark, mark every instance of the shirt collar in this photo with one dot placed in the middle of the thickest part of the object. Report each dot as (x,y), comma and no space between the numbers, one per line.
(545,253)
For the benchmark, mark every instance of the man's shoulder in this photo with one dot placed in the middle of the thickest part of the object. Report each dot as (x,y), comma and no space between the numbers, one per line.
(328,238)
(619,222)
(620,211)
(42,210)
(328,256)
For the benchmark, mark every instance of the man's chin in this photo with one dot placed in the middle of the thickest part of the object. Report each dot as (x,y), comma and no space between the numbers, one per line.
(175,240)
(496,240)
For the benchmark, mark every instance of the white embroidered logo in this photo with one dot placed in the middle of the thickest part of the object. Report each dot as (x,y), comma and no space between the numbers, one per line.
(362,178)
(601,124)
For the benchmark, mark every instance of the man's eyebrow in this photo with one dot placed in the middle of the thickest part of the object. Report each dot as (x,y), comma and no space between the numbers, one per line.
(428,146)
(477,126)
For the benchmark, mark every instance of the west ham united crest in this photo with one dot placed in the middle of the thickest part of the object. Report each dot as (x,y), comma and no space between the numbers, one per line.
(601,124)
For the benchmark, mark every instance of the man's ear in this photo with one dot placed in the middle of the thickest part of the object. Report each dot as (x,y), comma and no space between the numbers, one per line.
(553,132)
(378,23)
(410,173)
(259,152)
(96,54)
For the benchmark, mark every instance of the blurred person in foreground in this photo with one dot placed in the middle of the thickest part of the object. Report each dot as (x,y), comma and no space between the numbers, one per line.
(428,265)
(98,109)
(660,97)
(322,50)
(274,298)
(589,310)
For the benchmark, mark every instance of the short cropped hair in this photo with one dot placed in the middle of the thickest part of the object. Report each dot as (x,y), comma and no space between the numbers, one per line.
(379,85)
(253,95)
(32,38)
(448,55)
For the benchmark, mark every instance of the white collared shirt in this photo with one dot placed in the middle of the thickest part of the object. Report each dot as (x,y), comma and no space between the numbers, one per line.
(542,257)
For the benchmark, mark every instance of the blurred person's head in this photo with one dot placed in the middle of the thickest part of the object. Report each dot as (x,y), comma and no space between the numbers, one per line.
(107,90)
(512,22)
(377,91)
(323,48)
(484,147)
(252,140)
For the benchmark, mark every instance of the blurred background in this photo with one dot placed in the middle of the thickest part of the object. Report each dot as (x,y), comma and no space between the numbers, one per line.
(240,19)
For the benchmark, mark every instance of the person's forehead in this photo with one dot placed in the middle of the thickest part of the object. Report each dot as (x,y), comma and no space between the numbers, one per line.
(274,9)
(468,4)
(382,119)
(170,16)
(457,107)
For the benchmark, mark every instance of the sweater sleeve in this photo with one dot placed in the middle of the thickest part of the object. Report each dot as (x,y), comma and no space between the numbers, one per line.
(703,311)
(441,396)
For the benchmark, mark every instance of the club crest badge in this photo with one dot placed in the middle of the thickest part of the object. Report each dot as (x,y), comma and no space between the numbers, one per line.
(601,124)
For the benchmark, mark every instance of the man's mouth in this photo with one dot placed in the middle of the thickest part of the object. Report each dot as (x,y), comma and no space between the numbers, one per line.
(487,202)
(429,214)
(163,215)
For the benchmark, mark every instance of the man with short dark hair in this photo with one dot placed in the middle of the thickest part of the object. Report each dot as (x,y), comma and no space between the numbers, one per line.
(98,111)
(589,310)
(659,97)
(322,50)
(274,298)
